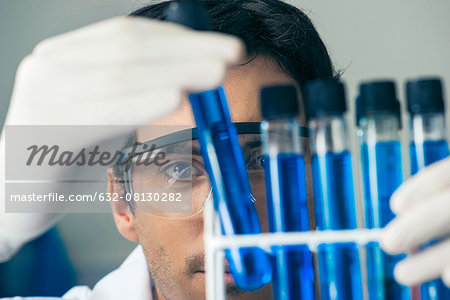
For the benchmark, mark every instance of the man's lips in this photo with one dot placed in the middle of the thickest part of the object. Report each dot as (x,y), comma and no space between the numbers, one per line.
(226,269)
(227,275)
(228,278)
(226,272)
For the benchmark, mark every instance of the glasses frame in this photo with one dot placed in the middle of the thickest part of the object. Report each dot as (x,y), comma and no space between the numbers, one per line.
(186,135)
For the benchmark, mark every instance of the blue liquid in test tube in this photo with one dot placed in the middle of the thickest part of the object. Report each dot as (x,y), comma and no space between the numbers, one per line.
(285,176)
(389,176)
(224,162)
(378,120)
(427,153)
(339,264)
(428,145)
(293,265)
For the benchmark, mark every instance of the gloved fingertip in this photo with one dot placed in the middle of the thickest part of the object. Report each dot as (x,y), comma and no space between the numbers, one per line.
(239,52)
(394,206)
(389,241)
(402,274)
(397,203)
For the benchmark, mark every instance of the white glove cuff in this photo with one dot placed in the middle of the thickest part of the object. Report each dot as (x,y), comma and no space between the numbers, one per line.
(9,247)
(446,276)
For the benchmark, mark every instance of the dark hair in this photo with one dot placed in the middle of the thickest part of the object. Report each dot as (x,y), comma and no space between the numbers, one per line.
(267,27)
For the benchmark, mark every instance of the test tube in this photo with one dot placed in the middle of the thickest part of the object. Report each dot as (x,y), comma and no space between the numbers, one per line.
(225,164)
(286,193)
(428,145)
(378,121)
(339,264)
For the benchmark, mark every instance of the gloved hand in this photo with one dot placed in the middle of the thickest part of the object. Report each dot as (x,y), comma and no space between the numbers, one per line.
(125,70)
(422,205)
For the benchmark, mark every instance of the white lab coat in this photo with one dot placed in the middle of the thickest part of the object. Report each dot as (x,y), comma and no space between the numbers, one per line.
(130,281)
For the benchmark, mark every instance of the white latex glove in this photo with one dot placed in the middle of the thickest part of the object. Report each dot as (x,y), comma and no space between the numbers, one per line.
(422,205)
(125,70)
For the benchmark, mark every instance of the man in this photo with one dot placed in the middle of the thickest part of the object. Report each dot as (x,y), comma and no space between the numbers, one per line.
(279,51)
(282,47)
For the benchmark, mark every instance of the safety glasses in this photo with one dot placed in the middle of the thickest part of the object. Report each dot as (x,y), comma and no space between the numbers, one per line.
(177,186)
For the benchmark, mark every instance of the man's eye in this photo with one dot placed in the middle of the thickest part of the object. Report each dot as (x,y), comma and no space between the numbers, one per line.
(182,171)
(255,162)
(262,161)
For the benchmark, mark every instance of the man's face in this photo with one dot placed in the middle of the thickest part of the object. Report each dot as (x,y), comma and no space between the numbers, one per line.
(174,248)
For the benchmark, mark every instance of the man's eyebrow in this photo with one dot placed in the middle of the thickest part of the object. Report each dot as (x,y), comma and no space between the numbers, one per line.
(183,148)
(252,144)
(195,149)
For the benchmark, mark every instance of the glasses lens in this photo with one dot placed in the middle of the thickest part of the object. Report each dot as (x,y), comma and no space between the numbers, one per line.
(167,188)
(179,188)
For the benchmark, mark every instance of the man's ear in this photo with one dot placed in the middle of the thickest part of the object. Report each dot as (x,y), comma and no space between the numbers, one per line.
(123,217)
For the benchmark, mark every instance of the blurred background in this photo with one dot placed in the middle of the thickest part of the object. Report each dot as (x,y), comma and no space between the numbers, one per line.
(366,39)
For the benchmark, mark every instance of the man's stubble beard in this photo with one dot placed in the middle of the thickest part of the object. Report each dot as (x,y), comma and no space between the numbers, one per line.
(159,265)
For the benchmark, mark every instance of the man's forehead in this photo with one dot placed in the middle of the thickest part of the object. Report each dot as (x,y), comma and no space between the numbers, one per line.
(242,85)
